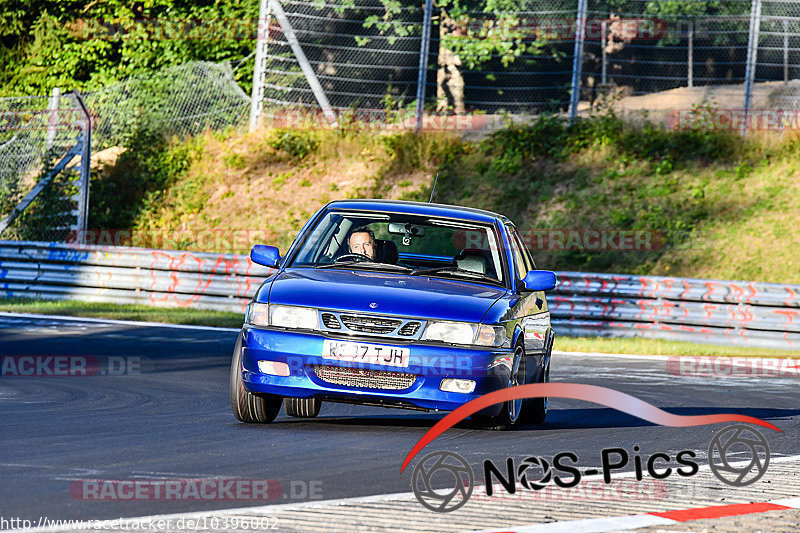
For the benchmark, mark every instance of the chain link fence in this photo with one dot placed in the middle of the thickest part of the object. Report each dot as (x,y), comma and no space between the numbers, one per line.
(661,57)
(38,136)
(364,64)
(779,54)
(38,133)
(182,101)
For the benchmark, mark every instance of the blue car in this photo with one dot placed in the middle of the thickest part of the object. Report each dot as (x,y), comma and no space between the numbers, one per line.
(395,304)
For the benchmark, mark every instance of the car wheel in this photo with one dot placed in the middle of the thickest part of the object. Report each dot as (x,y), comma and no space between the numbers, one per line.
(513,411)
(248,407)
(302,407)
(535,409)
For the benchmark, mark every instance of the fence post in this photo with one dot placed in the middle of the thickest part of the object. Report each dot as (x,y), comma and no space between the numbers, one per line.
(785,51)
(577,61)
(305,66)
(604,53)
(752,58)
(424,50)
(260,69)
(690,56)
(52,123)
(86,166)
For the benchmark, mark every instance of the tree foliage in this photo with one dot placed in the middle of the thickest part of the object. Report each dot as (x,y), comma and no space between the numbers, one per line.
(80,45)
(85,45)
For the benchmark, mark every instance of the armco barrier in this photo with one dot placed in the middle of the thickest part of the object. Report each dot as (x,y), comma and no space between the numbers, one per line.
(166,278)
(698,310)
(736,313)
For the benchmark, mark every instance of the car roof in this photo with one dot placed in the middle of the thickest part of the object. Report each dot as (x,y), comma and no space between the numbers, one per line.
(420,208)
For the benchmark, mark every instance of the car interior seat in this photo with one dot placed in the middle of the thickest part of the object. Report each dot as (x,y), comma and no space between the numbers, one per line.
(473,260)
(386,251)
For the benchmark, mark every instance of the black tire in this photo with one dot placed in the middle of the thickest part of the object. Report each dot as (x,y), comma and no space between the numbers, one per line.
(512,411)
(535,410)
(248,407)
(302,407)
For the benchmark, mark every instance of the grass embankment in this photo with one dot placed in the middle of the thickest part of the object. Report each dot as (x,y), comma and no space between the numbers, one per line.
(726,206)
(234,320)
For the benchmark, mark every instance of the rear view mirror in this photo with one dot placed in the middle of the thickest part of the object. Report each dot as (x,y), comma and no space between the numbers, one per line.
(397,228)
(265,255)
(539,280)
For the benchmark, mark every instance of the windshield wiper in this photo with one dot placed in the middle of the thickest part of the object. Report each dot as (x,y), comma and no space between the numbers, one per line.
(454,270)
(364,264)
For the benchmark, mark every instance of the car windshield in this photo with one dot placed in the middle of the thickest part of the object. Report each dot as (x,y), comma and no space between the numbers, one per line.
(415,245)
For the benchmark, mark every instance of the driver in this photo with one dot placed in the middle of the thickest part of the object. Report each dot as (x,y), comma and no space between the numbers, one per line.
(362,241)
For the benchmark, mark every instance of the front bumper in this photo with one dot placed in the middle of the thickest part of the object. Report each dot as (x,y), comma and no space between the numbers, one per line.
(430,363)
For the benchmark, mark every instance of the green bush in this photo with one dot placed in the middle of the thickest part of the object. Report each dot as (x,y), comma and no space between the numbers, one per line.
(150,163)
(297,143)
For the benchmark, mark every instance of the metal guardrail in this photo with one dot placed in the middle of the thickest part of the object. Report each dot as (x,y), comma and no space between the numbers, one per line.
(697,310)
(165,278)
(736,313)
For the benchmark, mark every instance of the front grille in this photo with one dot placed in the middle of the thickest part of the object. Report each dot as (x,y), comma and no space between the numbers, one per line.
(370,324)
(329,319)
(409,329)
(364,378)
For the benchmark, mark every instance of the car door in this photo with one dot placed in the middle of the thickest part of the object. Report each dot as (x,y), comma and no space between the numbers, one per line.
(531,309)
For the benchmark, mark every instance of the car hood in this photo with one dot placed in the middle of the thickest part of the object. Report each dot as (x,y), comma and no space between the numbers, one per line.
(382,293)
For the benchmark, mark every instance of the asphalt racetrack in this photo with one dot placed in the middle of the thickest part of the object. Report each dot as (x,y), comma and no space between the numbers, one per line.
(161,411)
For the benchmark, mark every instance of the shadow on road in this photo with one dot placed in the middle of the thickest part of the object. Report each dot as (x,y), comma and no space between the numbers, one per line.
(589,418)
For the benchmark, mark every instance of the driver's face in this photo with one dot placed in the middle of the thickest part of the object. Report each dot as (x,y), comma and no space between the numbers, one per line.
(362,243)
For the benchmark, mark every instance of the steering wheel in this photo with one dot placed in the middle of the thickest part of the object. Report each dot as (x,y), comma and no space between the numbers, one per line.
(359,258)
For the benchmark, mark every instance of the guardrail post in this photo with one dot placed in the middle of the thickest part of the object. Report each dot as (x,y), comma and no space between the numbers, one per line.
(424,51)
(577,60)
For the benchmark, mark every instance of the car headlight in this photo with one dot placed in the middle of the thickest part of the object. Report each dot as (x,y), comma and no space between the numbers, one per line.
(490,335)
(465,333)
(451,332)
(257,314)
(287,316)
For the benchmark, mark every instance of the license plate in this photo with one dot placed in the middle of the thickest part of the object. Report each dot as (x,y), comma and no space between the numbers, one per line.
(374,354)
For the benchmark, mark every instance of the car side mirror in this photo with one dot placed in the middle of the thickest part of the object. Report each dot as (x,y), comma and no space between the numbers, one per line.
(539,280)
(265,255)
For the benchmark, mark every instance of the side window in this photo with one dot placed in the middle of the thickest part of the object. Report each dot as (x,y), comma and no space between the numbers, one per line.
(530,265)
(517,252)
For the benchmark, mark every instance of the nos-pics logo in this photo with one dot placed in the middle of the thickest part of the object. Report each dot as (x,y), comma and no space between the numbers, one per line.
(443,481)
